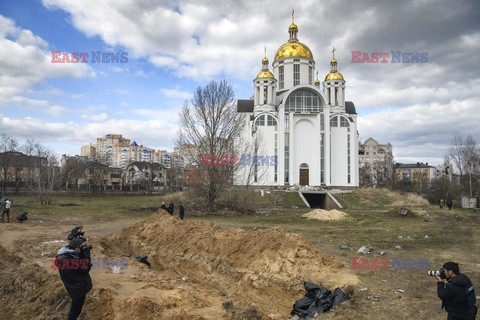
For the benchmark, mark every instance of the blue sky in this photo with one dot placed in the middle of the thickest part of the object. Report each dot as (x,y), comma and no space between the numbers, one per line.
(175,46)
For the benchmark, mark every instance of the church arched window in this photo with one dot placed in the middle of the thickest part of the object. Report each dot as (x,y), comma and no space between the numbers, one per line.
(271,121)
(260,120)
(334,121)
(266,119)
(303,101)
(339,121)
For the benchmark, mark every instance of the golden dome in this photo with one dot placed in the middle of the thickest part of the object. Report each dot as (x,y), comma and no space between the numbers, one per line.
(293,49)
(334,75)
(317,82)
(333,61)
(293,26)
(265,74)
(265,60)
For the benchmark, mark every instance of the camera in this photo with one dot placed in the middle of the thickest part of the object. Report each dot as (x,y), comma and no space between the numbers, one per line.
(440,272)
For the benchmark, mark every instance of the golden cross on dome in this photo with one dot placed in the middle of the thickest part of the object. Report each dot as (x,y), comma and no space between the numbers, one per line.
(293,15)
(333,52)
(265,51)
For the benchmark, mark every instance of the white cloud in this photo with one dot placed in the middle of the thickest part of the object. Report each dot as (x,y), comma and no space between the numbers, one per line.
(95,117)
(56,111)
(423,131)
(170,115)
(25,61)
(154,133)
(175,93)
(29,101)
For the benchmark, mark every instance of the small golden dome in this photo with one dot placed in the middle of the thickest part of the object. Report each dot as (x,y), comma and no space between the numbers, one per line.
(333,61)
(265,60)
(293,26)
(334,75)
(265,74)
(317,82)
(293,49)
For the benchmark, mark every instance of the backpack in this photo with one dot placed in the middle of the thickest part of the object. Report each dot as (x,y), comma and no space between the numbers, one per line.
(470,295)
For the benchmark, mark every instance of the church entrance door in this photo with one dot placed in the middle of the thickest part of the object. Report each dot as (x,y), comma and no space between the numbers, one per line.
(304,174)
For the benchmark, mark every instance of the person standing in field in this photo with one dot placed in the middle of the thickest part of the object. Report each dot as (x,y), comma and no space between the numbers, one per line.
(6,209)
(449,204)
(170,208)
(181,210)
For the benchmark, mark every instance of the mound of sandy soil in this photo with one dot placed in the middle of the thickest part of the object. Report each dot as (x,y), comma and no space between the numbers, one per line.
(199,271)
(198,266)
(325,215)
(28,292)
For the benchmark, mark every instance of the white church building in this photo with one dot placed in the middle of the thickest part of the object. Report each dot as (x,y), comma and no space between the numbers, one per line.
(308,132)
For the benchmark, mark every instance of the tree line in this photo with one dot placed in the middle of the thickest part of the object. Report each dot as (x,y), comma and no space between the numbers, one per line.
(30,165)
(459,175)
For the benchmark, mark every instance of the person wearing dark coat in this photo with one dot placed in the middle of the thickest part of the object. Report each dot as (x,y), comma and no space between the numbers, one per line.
(458,295)
(22,216)
(74,264)
(77,232)
(181,210)
(449,204)
(170,208)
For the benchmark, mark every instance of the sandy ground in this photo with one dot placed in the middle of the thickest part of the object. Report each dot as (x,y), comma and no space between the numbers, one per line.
(325,215)
(198,270)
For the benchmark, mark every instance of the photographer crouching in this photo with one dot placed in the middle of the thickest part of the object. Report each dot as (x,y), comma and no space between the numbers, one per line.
(74,264)
(458,295)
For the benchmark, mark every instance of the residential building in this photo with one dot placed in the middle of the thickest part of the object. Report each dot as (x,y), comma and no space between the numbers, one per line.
(18,169)
(375,163)
(145,175)
(416,175)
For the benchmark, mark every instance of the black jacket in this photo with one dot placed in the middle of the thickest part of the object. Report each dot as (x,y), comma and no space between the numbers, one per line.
(74,270)
(181,211)
(170,208)
(75,233)
(454,296)
(22,216)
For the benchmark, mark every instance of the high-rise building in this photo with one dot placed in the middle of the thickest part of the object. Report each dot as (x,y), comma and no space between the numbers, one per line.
(114,150)
(375,163)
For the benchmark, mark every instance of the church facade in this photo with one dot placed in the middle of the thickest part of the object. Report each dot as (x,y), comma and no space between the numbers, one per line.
(299,132)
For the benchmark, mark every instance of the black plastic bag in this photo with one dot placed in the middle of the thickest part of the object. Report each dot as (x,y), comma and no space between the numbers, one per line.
(317,300)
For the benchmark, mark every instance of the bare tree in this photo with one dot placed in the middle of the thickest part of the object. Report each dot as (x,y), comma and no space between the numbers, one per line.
(365,175)
(465,156)
(96,176)
(209,122)
(250,170)
(8,146)
(44,173)
(73,170)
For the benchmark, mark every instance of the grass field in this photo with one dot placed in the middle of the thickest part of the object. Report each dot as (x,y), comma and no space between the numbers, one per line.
(428,232)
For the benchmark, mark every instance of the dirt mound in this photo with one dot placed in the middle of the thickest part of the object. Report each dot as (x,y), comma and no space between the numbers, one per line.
(325,215)
(400,212)
(197,266)
(40,295)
